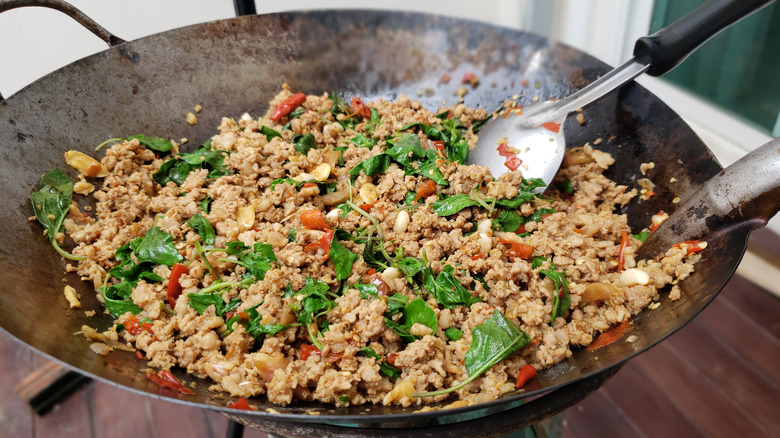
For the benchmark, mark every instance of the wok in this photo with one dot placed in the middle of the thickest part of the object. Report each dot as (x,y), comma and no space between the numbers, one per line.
(237,65)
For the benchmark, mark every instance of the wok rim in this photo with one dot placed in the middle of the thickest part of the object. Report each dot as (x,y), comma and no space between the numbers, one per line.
(337,419)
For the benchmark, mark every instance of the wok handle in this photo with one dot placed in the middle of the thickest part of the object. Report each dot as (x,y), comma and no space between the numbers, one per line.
(745,194)
(668,47)
(69,10)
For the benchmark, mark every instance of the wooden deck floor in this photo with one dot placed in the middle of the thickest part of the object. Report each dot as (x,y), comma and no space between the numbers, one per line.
(717,377)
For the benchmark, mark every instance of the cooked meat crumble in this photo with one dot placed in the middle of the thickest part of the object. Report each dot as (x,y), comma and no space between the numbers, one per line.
(343,252)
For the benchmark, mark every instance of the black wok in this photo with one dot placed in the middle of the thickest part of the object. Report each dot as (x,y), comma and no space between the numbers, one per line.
(236,65)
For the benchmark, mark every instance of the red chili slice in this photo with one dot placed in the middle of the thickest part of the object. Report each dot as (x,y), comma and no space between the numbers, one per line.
(622,253)
(360,108)
(693,246)
(323,245)
(513,162)
(527,372)
(287,106)
(307,350)
(552,126)
(517,249)
(135,327)
(240,404)
(314,220)
(174,288)
(425,189)
(610,336)
(167,380)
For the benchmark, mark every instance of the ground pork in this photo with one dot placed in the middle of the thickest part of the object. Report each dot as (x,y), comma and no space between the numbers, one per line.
(301,278)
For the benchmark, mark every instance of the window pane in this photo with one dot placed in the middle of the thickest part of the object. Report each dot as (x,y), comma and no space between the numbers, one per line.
(738,68)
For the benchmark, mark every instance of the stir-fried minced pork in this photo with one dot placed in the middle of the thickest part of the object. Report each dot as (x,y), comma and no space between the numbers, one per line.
(341,251)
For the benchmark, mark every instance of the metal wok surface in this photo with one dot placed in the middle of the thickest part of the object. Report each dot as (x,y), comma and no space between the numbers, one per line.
(236,65)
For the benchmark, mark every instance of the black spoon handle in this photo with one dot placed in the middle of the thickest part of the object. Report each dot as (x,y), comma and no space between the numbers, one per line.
(668,47)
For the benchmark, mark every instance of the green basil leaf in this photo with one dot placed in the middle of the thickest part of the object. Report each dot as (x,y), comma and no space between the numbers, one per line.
(116,299)
(536,216)
(561,299)
(315,301)
(305,143)
(156,247)
(429,170)
(172,170)
(449,292)
(492,342)
(367,290)
(202,301)
(453,204)
(372,166)
(417,312)
(203,227)
(278,181)
(406,148)
(396,303)
(158,144)
(453,333)
(361,141)
(642,236)
(508,220)
(342,259)
(51,203)
(269,133)
(369,352)
(205,204)
(389,370)
(257,261)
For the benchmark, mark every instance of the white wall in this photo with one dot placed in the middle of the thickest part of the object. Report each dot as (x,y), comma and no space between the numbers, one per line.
(35,41)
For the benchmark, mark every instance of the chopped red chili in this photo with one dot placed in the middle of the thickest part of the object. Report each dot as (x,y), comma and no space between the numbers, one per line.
(610,336)
(622,253)
(552,126)
(307,350)
(240,404)
(322,245)
(314,220)
(167,380)
(174,288)
(527,372)
(134,327)
(693,246)
(517,249)
(360,108)
(512,162)
(425,189)
(391,358)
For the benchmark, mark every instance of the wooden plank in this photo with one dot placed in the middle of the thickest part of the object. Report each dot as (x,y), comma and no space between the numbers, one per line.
(703,404)
(761,307)
(170,419)
(763,271)
(744,336)
(596,417)
(72,418)
(16,418)
(644,405)
(732,375)
(118,412)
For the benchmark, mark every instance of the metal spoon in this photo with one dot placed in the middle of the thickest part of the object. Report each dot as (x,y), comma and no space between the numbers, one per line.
(537,134)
